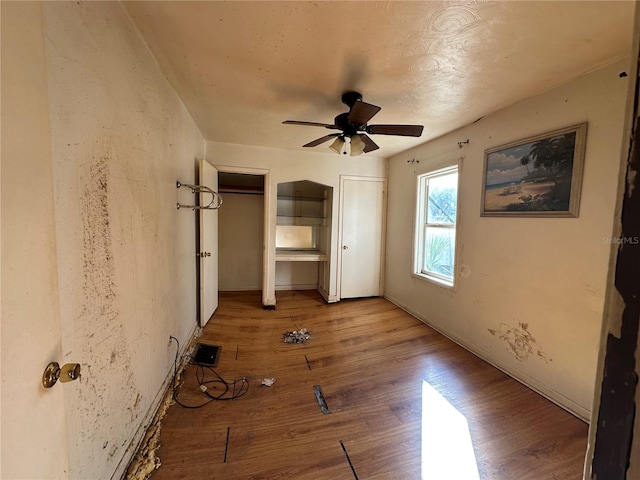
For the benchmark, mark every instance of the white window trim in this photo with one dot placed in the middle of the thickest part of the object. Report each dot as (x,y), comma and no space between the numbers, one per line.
(418,245)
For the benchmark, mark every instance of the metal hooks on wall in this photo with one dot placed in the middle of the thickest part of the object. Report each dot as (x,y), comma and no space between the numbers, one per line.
(463,143)
(214,204)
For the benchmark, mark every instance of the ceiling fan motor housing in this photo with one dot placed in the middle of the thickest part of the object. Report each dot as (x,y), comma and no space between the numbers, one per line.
(342,122)
(350,98)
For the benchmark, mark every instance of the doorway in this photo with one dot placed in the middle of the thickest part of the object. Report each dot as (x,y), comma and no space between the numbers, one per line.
(243,230)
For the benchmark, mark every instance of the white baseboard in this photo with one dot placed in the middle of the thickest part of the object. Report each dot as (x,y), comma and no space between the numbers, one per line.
(580,411)
(241,288)
(328,298)
(147,420)
(310,286)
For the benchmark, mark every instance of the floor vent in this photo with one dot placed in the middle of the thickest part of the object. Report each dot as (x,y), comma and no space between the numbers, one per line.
(206,355)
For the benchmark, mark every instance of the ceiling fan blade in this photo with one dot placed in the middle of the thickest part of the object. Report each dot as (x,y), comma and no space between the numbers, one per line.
(310,124)
(362,112)
(403,130)
(319,141)
(369,145)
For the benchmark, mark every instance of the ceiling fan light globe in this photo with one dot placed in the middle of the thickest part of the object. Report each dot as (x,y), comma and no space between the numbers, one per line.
(337,145)
(357,145)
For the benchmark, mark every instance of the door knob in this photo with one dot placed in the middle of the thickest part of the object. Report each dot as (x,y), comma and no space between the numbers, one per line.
(345,247)
(53,373)
(203,254)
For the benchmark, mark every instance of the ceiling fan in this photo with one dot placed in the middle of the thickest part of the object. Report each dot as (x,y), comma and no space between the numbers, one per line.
(353,126)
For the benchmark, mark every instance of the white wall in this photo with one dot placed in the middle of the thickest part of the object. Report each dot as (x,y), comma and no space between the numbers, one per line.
(292,165)
(121,257)
(240,242)
(546,274)
(296,275)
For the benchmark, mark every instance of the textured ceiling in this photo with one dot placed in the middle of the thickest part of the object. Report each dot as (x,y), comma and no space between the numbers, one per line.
(242,68)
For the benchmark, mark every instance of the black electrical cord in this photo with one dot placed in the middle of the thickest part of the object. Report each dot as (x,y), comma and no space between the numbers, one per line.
(232,390)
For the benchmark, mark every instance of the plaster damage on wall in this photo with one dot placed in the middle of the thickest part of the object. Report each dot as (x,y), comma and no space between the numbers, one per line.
(146,459)
(120,139)
(520,343)
(616,425)
(631,181)
(100,322)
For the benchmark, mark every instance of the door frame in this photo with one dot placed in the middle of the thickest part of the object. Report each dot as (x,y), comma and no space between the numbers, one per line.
(268,257)
(361,178)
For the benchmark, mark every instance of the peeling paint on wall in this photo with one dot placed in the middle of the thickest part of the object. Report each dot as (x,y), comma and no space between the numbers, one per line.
(520,343)
(97,255)
(615,450)
(99,324)
(126,271)
(146,459)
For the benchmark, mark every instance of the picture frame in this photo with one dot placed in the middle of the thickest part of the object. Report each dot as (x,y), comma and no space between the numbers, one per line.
(538,176)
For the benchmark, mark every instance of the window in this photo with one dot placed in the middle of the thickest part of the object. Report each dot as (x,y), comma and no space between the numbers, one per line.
(435,243)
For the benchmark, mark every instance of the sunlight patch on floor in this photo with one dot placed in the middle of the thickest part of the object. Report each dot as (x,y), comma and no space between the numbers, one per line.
(447,450)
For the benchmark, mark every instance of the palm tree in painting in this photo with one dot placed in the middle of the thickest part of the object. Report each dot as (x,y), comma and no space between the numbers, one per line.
(544,153)
(565,148)
(525,160)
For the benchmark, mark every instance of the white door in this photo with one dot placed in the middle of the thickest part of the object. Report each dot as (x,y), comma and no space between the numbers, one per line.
(208,246)
(362,229)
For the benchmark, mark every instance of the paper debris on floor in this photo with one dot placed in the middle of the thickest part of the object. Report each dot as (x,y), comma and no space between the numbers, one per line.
(268,382)
(297,336)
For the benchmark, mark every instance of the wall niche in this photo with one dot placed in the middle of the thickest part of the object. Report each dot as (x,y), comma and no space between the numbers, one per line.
(303,234)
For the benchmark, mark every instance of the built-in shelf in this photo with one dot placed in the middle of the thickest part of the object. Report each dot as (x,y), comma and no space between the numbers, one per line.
(300,256)
(301,197)
(286,215)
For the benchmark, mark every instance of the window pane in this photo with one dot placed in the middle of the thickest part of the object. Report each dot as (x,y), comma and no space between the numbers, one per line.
(439,251)
(443,199)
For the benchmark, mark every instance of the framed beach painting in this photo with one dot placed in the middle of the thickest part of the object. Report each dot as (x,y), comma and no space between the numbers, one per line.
(539,176)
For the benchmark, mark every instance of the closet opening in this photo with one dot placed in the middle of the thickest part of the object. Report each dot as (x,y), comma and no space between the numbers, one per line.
(241,232)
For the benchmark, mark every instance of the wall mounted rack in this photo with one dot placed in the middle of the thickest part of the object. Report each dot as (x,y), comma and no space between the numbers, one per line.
(214,204)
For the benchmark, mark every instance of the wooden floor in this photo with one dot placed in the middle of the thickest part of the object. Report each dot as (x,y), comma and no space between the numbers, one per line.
(404,401)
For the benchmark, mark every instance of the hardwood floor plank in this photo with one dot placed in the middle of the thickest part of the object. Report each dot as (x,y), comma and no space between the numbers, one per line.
(390,382)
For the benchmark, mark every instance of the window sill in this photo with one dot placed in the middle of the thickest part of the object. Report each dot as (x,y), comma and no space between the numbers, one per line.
(436,281)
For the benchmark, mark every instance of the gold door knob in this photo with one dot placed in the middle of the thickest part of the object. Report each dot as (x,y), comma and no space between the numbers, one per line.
(345,247)
(70,372)
(53,373)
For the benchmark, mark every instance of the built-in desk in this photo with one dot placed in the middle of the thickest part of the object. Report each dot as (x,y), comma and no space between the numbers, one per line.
(300,256)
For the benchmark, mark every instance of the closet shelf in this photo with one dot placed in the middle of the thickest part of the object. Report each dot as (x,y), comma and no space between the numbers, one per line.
(241,189)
